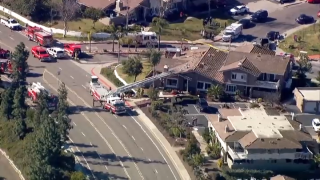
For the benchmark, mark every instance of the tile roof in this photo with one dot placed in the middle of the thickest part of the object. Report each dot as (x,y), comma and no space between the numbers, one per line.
(210,64)
(263,63)
(99,4)
(244,65)
(129,5)
(255,49)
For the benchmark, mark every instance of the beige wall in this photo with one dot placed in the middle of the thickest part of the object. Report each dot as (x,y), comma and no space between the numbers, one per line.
(227,77)
(299,99)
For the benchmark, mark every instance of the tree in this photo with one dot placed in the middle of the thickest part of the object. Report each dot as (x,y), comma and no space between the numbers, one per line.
(215,91)
(20,128)
(19,107)
(6,104)
(154,58)
(62,119)
(113,33)
(316,160)
(318,76)
(20,65)
(198,160)
(68,10)
(77,175)
(133,66)
(304,65)
(153,93)
(192,148)
(94,14)
(179,120)
(159,24)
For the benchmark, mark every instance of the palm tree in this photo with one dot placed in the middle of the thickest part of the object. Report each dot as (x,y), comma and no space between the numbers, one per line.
(113,32)
(120,33)
(215,91)
(154,58)
(136,44)
(316,160)
(159,24)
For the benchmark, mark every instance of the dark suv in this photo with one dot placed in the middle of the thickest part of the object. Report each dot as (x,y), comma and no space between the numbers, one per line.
(202,104)
(260,16)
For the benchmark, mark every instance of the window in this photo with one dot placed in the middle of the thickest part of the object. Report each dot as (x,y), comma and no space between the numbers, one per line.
(200,85)
(273,161)
(207,86)
(172,83)
(233,76)
(288,160)
(271,77)
(231,88)
(203,85)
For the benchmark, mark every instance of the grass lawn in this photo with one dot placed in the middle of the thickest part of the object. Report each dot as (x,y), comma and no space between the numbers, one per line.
(310,41)
(129,79)
(83,25)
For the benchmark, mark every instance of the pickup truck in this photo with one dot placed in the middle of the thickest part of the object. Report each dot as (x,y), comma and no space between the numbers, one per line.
(56,52)
(41,53)
(11,23)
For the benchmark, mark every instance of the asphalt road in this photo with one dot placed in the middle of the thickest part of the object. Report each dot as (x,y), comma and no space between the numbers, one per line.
(281,20)
(115,147)
(6,170)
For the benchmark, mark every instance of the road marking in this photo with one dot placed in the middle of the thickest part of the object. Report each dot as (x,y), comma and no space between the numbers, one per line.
(155,171)
(11,38)
(91,144)
(72,77)
(83,134)
(84,86)
(133,138)
(234,106)
(149,159)
(90,122)
(106,167)
(27,47)
(115,116)
(74,123)
(196,109)
(124,126)
(60,68)
(83,158)
(141,148)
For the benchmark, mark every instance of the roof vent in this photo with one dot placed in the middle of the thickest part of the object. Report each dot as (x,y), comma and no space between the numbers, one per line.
(278,139)
(226,129)
(249,126)
(262,140)
(275,117)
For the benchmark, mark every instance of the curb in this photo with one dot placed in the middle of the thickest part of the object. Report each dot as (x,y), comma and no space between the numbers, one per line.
(12,164)
(120,79)
(288,5)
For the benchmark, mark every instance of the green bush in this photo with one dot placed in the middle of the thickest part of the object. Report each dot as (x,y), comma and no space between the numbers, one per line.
(109,74)
(206,135)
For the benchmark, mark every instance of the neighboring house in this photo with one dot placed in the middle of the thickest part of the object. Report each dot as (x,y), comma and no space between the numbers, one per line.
(98,4)
(253,139)
(255,75)
(307,99)
(254,49)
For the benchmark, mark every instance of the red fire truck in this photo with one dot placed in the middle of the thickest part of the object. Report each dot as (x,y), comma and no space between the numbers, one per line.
(36,88)
(38,35)
(72,49)
(111,103)
(6,65)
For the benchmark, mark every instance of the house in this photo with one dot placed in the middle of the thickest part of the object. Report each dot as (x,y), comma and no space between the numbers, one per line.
(307,99)
(280,177)
(254,139)
(254,49)
(248,73)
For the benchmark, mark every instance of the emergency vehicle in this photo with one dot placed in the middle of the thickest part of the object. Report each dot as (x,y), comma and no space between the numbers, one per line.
(38,35)
(35,88)
(72,49)
(144,38)
(6,65)
(112,103)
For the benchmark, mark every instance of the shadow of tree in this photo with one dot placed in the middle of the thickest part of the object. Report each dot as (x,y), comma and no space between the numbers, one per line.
(79,109)
(101,175)
(81,145)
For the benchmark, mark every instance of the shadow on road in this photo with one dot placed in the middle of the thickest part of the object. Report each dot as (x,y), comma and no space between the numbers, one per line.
(34,75)
(96,108)
(102,175)
(81,145)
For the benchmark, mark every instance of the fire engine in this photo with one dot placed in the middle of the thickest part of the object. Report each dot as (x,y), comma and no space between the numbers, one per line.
(6,65)
(112,103)
(72,49)
(39,36)
(35,88)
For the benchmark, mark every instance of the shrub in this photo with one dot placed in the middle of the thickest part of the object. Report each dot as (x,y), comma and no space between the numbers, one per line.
(108,73)
(220,163)
(254,105)
(259,100)
(206,135)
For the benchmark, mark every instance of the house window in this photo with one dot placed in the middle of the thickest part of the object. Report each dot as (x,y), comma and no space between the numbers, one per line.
(202,86)
(243,77)
(231,88)
(271,77)
(273,161)
(233,76)
(172,83)
(288,160)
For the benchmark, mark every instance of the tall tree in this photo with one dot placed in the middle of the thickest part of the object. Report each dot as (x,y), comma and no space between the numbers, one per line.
(19,61)
(19,107)
(113,30)
(93,14)
(78,176)
(304,65)
(6,104)
(68,10)
(154,58)
(20,128)
(133,66)
(159,24)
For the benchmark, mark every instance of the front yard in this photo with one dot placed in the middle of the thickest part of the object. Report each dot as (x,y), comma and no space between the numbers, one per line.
(147,67)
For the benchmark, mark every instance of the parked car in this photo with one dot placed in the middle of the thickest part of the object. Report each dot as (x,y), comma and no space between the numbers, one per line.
(246,23)
(316,124)
(40,53)
(242,9)
(305,19)
(318,14)
(202,104)
(260,16)
(313,1)
(56,52)
(273,35)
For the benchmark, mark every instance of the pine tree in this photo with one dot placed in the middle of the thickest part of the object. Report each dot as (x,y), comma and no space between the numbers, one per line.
(63,121)
(20,128)
(19,107)
(63,104)
(6,104)
(20,65)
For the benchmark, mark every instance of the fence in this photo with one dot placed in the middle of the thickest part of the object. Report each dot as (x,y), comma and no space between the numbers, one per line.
(52,30)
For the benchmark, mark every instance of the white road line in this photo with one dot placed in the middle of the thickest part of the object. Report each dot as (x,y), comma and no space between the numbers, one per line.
(133,138)
(149,159)
(11,38)
(83,134)
(196,109)
(106,167)
(72,77)
(60,68)
(102,120)
(115,116)
(141,148)
(84,86)
(74,123)
(124,126)
(91,144)
(220,106)
(155,171)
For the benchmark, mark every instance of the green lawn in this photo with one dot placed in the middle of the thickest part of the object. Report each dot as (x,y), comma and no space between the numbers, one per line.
(83,25)
(310,41)
(129,79)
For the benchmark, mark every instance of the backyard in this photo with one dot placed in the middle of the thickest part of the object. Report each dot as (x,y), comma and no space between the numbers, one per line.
(308,39)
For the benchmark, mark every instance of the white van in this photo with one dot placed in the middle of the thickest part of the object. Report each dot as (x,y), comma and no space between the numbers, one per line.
(232,32)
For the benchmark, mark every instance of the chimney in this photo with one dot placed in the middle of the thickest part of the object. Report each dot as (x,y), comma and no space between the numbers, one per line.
(226,129)
(292,116)
(119,5)
(165,68)
(300,127)
(219,118)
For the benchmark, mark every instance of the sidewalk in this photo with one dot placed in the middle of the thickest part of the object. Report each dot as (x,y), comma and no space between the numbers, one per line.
(142,118)
(196,42)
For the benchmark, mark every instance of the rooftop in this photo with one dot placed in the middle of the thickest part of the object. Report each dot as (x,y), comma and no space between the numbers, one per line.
(255,49)
(310,93)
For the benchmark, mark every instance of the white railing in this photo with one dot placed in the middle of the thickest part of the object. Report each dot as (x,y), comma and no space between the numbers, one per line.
(52,30)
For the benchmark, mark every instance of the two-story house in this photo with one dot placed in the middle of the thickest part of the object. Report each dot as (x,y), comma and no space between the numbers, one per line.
(253,139)
(251,73)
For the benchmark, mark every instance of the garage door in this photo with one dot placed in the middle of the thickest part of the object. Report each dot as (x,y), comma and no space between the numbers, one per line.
(310,107)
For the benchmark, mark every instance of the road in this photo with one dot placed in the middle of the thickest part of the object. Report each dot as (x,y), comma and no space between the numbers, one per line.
(115,147)
(6,170)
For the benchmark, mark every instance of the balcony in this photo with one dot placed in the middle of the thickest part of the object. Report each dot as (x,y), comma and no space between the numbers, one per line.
(267,84)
